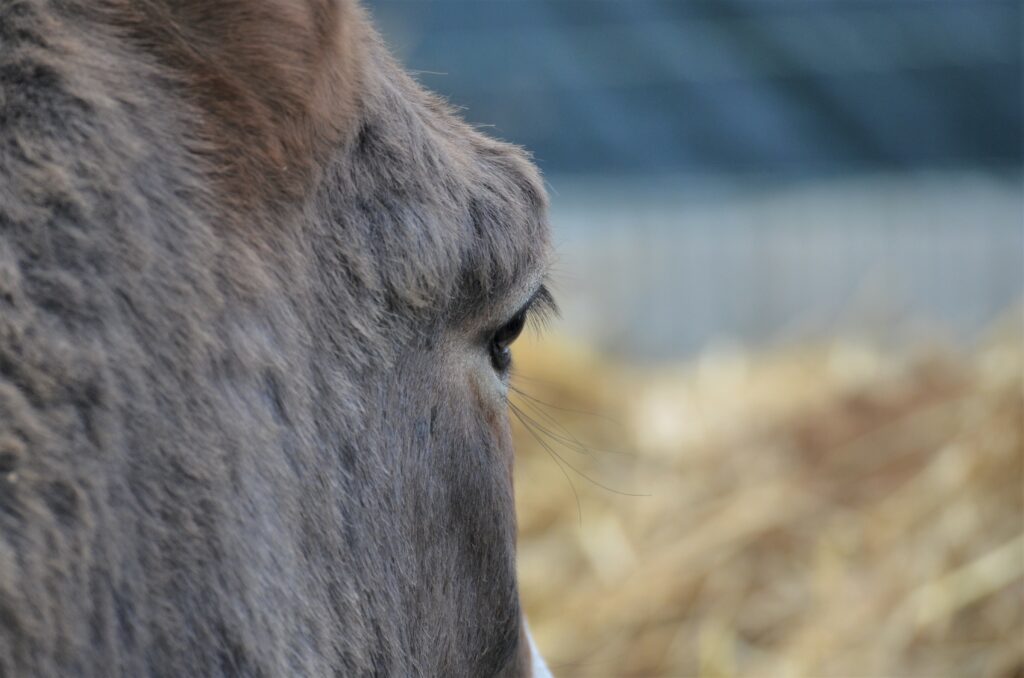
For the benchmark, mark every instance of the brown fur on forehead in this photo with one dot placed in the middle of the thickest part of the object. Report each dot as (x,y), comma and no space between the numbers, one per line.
(451,216)
(276,81)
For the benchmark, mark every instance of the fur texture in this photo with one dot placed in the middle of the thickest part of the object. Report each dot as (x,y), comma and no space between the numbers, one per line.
(247,421)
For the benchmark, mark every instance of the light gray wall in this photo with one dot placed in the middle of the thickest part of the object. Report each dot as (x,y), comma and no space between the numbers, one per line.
(656,270)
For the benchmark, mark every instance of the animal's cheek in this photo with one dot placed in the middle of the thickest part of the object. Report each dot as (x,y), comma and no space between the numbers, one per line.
(487,406)
(476,398)
(488,402)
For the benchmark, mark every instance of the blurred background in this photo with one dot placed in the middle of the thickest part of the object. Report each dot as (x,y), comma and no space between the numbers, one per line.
(791,266)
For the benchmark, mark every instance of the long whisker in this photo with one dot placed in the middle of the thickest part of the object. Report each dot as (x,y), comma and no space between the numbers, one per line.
(566,436)
(568,440)
(555,458)
(596,415)
(520,414)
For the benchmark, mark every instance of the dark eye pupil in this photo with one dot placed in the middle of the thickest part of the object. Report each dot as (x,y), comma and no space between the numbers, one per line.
(501,356)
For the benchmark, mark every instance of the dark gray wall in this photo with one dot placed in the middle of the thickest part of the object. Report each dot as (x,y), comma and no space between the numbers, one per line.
(791,87)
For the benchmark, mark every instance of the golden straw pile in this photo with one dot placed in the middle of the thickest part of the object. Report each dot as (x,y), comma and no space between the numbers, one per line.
(828,511)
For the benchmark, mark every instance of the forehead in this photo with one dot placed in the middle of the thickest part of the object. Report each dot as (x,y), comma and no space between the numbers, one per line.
(449,217)
(508,248)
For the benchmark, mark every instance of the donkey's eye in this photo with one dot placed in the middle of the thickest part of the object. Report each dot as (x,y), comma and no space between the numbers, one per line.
(501,355)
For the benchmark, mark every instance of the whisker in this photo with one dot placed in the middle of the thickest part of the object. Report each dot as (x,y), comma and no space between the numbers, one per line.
(596,415)
(519,413)
(555,458)
(567,440)
(546,382)
(567,437)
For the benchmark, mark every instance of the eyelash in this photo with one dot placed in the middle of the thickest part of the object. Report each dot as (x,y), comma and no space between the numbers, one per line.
(540,307)
(502,339)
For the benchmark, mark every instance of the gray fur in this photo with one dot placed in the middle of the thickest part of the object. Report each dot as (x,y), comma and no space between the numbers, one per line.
(248,436)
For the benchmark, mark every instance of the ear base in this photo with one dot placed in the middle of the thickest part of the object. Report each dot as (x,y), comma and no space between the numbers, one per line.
(277,83)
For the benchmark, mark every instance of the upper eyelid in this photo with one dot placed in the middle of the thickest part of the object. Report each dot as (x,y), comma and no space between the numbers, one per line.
(541,306)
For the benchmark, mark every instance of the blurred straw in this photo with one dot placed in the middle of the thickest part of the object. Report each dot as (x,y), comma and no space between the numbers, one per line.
(832,510)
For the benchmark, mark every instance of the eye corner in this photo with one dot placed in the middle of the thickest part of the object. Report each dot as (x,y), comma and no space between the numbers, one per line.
(503,338)
(510,331)
(540,308)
